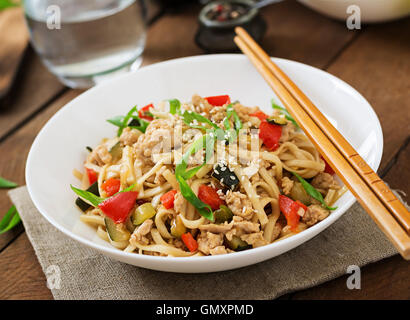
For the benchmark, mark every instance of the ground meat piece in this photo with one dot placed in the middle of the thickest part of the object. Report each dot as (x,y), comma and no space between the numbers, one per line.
(179,203)
(104,154)
(244,112)
(218,250)
(129,136)
(208,241)
(254,239)
(314,214)
(139,233)
(157,138)
(241,227)
(247,226)
(287,185)
(100,156)
(276,231)
(324,181)
(200,104)
(178,244)
(240,204)
(159,179)
(287,131)
(218,114)
(216,228)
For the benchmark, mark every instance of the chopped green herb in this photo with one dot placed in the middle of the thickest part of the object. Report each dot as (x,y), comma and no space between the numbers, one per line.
(230,111)
(311,190)
(190,116)
(89,148)
(7,184)
(4,4)
(186,191)
(182,174)
(88,196)
(139,124)
(10,220)
(174,106)
(285,112)
(124,121)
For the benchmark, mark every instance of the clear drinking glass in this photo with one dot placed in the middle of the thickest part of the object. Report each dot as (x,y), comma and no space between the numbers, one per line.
(84,42)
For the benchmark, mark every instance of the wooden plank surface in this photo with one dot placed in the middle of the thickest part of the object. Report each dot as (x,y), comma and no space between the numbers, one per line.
(21,276)
(36,87)
(377,64)
(297,33)
(293,32)
(386,279)
(13,46)
(16,147)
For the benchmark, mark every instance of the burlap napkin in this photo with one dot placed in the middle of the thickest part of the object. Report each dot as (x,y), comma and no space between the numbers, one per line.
(85,274)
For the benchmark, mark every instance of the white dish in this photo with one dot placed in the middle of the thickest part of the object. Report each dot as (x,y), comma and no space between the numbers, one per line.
(370,10)
(60,145)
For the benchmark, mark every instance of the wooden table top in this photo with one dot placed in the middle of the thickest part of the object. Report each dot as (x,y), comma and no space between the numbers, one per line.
(375,60)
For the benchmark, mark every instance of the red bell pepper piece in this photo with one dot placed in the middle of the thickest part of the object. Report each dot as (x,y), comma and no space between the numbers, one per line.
(189,241)
(167,199)
(328,168)
(143,113)
(209,196)
(111,186)
(270,135)
(92,175)
(218,100)
(259,114)
(290,209)
(119,206)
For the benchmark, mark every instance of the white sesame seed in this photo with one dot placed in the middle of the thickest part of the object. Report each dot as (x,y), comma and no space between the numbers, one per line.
(233,177)
(223,168)
(216,171)
(222,180)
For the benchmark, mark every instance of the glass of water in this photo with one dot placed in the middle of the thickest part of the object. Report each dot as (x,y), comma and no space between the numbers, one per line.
(84,42)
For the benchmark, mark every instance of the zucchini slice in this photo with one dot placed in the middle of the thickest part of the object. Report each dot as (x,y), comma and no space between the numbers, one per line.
(237,244)
(115,232)
(116,151)
(225,176)
(277,119)
(142,213)
(177,227)
(84,206)
(223,214)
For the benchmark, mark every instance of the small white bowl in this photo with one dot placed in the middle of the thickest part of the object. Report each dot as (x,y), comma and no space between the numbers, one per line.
(60,145)
(371,10)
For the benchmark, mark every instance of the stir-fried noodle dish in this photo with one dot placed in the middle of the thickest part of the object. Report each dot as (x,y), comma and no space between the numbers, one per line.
(206,177)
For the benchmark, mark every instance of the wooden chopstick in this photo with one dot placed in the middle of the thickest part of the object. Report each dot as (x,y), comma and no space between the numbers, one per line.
(345,170)
(355,160)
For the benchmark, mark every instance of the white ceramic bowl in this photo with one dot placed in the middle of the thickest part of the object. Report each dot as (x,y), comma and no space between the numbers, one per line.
(60,146)
(370,10)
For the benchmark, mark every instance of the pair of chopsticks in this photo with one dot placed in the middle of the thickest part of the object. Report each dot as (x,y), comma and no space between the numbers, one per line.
(373,194)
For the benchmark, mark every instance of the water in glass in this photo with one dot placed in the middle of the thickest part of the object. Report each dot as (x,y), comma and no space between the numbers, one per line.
(84,42)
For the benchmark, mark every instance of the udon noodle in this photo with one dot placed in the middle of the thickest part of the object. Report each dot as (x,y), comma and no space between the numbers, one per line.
(206,177)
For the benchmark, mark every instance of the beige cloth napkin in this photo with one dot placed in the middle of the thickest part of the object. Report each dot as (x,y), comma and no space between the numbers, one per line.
(85,274)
